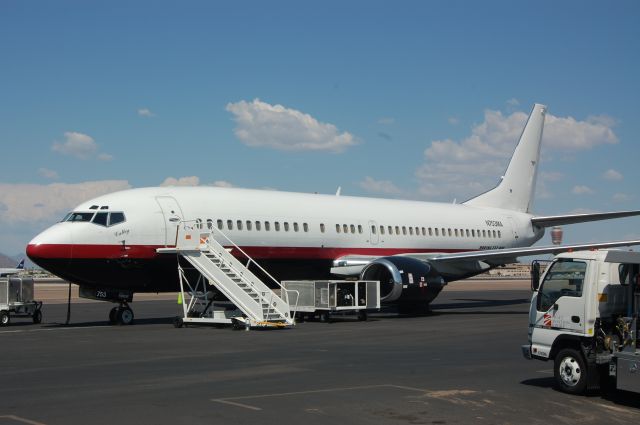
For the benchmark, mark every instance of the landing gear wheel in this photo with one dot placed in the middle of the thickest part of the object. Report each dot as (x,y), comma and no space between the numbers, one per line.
(570,371)
(37,316)
(178,322)
(125,316)
(5,319)
(113,316)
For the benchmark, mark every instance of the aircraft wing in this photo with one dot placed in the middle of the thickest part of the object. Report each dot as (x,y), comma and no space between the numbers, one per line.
(510,255)
(558,220)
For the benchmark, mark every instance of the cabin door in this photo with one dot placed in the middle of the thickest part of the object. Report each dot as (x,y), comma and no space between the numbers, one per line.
(172,217)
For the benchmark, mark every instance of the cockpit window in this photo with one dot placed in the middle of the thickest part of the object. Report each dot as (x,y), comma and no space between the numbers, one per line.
(101,218)
(116,217)
(80,216)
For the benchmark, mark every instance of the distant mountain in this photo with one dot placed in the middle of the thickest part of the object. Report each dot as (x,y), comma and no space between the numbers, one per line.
(6,261)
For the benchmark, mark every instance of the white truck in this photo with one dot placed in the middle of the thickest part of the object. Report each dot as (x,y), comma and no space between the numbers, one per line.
(584,317)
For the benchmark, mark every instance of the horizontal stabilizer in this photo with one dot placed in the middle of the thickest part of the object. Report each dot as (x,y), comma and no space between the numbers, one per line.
(558,220)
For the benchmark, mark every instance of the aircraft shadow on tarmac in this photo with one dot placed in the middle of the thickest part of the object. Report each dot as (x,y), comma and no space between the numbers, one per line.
(480,303)
(137,322)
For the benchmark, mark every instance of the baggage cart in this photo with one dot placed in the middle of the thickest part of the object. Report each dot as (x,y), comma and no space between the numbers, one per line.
(16,300)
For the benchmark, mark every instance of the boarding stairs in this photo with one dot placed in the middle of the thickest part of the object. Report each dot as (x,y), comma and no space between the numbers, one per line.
(261,306)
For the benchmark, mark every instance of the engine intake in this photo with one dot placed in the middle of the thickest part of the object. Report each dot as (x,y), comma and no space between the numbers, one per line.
(404,278)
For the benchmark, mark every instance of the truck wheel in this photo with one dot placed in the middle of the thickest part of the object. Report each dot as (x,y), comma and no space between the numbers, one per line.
(178,322)
(5,319)
(570,371)
(37,316)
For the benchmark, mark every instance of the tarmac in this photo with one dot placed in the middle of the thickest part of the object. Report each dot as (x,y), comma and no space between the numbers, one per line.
(460,365)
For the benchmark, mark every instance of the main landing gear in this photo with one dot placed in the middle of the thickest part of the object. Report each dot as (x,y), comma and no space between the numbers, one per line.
(122,315)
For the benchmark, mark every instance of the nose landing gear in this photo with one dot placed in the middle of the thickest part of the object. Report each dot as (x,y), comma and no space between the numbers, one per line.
(122,315)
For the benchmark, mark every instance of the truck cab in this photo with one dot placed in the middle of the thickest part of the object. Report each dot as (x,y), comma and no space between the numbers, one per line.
(584,317)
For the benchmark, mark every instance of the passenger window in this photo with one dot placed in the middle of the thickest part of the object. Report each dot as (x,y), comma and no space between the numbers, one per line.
(277,226)
(305,227)
(229,224)
(198,223)
(295,227)
(397,230)
(373,230)
(337,228)
(390,229)
(322,227)
(411,231)
(430,232)
(258,226)
(564,279)
(456,232)
(286,226)
(449,232)
(437,232)
(220,224)
(101,218)
(473,233)
(484,233)
(209,224)
(239,223)
(499,234)
(116,218)
(345,228)
(382,230)
(424,232)
(267,226)
(249,225)
(359,229)
(404,230)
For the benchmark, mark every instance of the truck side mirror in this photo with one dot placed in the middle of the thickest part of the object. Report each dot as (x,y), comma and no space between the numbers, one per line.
(535,276)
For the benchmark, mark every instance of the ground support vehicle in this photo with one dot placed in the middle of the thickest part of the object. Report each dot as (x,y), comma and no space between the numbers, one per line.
(584,317)
(325,298)
(16,300)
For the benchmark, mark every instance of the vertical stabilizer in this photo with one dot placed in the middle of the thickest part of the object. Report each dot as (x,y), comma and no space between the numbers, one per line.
(517,187)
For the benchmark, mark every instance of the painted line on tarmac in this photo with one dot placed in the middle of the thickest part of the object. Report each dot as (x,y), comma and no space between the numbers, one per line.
(22,420)
(229,400)
(68,328)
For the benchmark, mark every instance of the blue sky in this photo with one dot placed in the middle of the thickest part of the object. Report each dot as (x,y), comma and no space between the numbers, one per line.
(421,100)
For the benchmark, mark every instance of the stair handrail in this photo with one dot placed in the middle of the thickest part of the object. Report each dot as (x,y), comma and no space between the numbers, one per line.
(199,225)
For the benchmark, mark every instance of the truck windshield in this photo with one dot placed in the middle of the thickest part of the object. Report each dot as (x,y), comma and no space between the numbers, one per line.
(564,279)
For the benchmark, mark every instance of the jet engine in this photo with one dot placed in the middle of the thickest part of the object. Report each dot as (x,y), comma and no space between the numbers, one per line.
(404,279)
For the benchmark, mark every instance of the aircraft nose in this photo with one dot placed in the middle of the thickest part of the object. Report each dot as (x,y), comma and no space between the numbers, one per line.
(53,243)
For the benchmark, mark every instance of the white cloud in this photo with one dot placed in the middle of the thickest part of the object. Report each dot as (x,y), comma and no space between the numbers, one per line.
(79,145)
(612,175)
(380,186)
(386,120)
(182,181)
(76,144)
(465,168)
(47,173)
(621,197)
(28,203)
(513,102)
(145,112)
(221,183)
(453,120)
(259,124)
(582,190)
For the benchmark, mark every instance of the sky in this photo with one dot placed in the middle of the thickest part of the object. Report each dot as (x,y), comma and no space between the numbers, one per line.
(399,99)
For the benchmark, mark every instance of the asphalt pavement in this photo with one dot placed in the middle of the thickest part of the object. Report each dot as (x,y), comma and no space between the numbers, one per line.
(460,365)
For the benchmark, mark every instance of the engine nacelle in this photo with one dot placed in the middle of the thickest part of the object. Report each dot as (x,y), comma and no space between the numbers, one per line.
(404,278)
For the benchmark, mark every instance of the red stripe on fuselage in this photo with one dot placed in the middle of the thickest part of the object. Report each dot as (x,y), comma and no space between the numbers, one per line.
(149,251)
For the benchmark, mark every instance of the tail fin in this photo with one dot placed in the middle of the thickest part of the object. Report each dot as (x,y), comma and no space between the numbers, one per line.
(20,265)
(517,187)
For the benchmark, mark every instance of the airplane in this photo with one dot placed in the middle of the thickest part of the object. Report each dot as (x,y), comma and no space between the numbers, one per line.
(108,245)
(8,271)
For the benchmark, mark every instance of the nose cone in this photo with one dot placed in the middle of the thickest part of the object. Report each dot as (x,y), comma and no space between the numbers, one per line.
(52,244)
